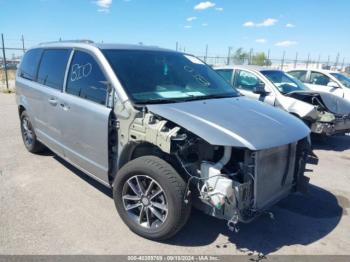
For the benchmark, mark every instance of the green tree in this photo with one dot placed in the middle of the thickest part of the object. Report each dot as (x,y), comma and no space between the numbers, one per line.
(260,59)
(240,56)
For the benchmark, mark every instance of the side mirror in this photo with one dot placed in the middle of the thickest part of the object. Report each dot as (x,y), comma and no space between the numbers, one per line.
(259,89)
(333,84)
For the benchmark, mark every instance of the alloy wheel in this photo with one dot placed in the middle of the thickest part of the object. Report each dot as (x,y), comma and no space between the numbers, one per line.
(145,201)
(27,131)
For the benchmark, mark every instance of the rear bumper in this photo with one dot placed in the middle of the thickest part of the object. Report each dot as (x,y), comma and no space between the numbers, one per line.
(339,126)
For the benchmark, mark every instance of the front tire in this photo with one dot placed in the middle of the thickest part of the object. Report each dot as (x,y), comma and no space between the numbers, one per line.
(28,135)
(149,196)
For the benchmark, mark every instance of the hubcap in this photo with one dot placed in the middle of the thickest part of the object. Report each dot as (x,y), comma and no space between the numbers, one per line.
(145,201)
(27,131)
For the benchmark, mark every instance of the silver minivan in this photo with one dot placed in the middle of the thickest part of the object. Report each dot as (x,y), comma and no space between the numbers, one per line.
(162,129)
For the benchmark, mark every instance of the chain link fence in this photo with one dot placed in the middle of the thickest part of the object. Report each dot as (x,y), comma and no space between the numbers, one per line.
(281,64)
(11,53)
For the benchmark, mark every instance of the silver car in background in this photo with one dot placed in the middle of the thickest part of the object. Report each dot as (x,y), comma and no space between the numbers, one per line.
(162,129)
(324,113)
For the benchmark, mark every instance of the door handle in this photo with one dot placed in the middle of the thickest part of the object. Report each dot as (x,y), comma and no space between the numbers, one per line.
(53,101)
(64,106)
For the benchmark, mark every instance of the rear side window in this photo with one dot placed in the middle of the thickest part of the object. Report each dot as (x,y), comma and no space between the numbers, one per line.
(225,73)
(29,64)
(246,80)
(86,78)
(301,75)
(317,78)
(53,67)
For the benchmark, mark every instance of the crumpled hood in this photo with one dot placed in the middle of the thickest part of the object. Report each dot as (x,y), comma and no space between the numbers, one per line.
(335,104)
(238,122)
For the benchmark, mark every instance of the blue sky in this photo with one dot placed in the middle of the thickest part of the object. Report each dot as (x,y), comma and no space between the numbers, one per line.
(313,26)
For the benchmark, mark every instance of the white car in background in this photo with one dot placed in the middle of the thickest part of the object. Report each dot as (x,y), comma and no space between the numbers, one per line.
(324,80)
(324,113)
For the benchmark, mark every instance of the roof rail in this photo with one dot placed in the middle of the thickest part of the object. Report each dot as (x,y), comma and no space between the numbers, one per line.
(86,41)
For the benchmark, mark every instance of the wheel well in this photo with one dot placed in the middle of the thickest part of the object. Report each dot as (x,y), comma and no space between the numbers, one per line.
(20,110)
(133,151)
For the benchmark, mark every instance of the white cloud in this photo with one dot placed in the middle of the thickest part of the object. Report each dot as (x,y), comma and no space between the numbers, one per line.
(290,25)
(261,40)
(286,43)
(205,24)
(103,5)
(249,24)
(204,5)
(192,18)
(220,9)
(266,22)
(187,26)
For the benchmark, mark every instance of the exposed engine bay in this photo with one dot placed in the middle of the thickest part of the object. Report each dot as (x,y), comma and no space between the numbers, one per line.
(235,184)
(333,113)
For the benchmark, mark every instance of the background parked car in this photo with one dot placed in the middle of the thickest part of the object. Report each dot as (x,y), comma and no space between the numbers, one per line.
(324,113)
(324,80)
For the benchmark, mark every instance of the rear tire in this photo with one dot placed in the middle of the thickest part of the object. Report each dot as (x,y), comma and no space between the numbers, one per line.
(28,135)
(149,196)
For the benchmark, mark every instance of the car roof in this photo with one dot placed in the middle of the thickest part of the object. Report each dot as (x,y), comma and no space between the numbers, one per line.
(102,46)
(314,69)
(247,67)
(131,47)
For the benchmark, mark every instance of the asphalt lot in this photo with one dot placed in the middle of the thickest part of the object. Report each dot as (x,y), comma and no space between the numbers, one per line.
(49,207)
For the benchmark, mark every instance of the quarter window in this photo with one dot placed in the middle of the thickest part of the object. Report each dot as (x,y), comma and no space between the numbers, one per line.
(246,80)
(86,78)
(319,79)
(53,67)
(300,75)
(226,74)
(29,64)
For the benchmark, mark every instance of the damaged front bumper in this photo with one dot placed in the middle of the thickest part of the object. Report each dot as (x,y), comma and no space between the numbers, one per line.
(268,176)
(340,125)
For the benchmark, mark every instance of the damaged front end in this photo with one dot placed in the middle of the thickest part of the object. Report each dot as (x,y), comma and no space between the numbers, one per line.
(241,184)
(231,183)
(331,115)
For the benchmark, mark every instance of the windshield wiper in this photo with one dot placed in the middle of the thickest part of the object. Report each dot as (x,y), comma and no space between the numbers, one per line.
(210,97)
(184,99)
(159,101)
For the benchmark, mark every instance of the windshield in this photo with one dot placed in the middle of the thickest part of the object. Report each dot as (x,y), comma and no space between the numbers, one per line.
(285,83)
(166,77)
(342,78)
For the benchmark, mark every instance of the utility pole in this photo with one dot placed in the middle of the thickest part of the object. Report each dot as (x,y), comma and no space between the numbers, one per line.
(283,56)
(328,61)
(336,61)
(268,57)
(296,60)
(229,55)
(22,39)
(206,53)
(318,61)
(308,61)
(4,60)
(250,56)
